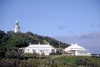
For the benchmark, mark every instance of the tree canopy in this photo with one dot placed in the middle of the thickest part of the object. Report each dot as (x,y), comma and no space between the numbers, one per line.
(11,40)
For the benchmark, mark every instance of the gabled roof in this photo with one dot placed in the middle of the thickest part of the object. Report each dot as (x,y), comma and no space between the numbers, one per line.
(39,46)
(74,47)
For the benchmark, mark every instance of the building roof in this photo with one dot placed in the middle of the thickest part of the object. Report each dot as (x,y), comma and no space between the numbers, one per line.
(74,47)
(39,46)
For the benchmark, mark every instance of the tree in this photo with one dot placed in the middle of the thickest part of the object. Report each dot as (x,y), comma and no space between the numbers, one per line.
(3,40)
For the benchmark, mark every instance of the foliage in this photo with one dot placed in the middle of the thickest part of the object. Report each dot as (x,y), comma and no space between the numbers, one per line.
(85,62)
(47,62)
(3,39)
(13,55)
(11,40)
(31,63)
(9,63)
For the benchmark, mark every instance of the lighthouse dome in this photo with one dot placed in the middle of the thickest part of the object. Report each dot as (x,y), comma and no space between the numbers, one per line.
(16,21)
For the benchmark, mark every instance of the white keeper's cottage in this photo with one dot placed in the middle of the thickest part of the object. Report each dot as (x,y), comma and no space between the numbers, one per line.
(77,50)
(45,49)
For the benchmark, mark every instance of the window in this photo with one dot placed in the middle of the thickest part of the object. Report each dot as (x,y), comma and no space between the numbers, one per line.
(40,50)
(53,51)
(27,49)
(80,52)
(34,51)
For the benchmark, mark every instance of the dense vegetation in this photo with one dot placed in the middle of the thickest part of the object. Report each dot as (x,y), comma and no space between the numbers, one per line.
(11,40)
(32,63)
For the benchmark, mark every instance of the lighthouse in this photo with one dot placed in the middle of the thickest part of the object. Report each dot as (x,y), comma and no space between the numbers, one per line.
(16,27)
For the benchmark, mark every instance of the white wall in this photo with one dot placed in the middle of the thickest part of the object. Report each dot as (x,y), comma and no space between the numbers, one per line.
(46,51)
(82,54)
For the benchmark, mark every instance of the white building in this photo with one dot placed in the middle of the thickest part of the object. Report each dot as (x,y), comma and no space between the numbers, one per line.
(40,49)
(16,27)
(77,50)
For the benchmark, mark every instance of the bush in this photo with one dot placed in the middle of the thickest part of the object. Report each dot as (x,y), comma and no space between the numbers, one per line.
(55,53)
(2,54)
(13,55)
(9,63)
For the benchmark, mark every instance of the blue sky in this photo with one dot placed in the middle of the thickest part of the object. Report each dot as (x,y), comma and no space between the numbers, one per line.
(55,18)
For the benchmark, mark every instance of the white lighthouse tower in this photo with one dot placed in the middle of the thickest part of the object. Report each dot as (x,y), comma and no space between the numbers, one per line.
(16,27)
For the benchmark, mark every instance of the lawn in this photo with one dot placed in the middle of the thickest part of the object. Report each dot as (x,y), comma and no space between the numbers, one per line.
(71,60)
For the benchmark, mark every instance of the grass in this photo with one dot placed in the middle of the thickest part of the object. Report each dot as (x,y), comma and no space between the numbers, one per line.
(71,60)
(68,60)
